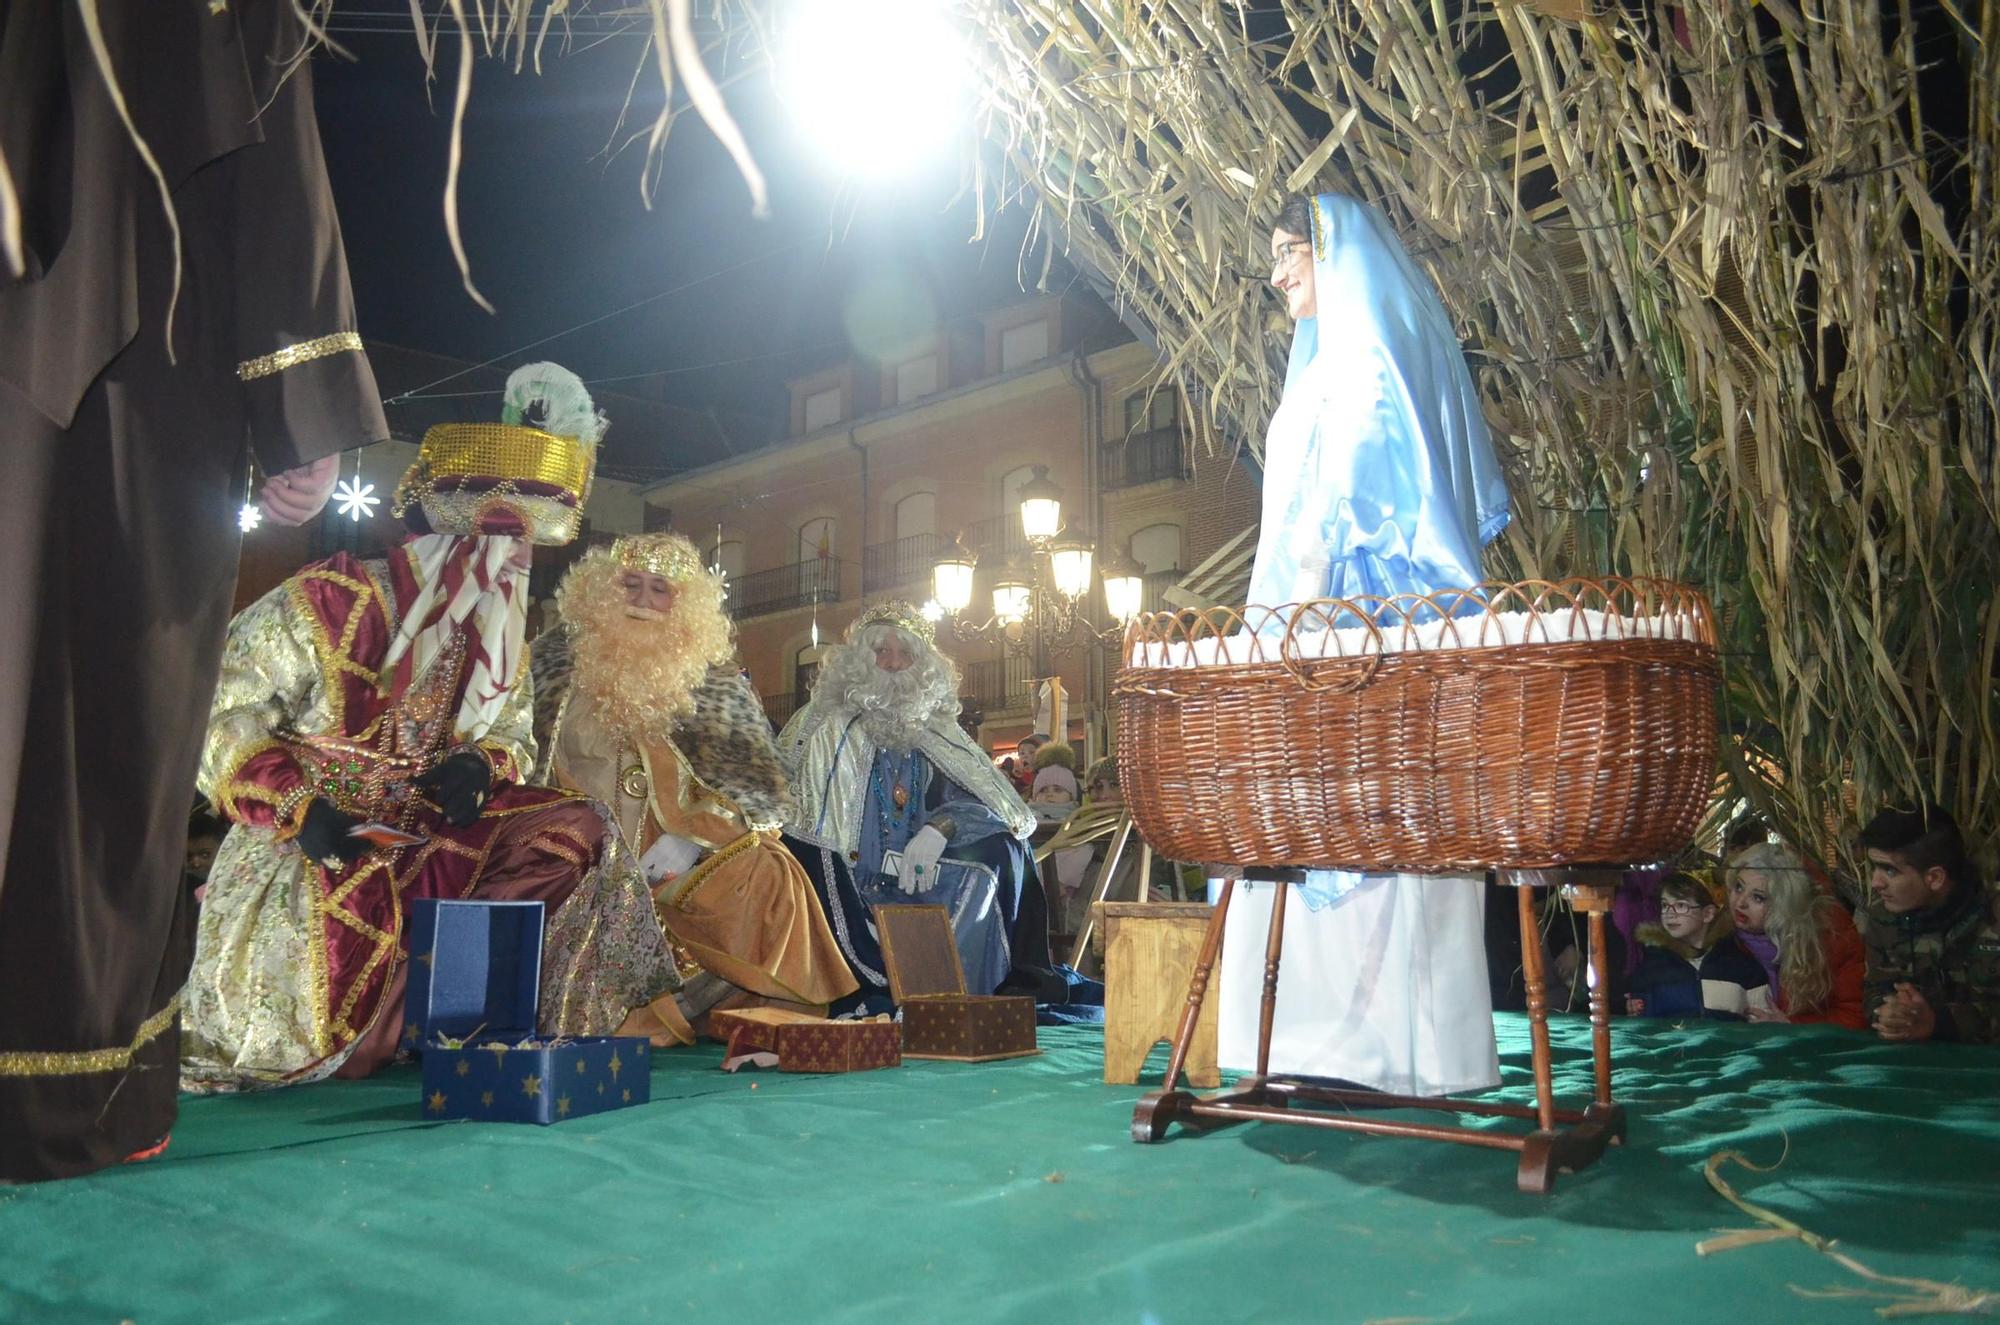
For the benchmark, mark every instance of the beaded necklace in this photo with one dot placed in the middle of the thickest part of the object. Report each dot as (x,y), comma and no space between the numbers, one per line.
(897,809)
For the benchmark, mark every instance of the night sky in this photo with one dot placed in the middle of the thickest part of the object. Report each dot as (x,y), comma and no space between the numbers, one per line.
(557,232)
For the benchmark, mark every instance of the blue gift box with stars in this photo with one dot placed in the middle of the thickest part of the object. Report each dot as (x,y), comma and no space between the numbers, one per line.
(475,970)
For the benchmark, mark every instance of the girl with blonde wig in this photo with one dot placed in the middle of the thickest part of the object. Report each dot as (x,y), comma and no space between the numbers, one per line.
(1804,938)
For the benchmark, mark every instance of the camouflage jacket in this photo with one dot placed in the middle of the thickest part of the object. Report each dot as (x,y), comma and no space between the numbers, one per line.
(1951,953)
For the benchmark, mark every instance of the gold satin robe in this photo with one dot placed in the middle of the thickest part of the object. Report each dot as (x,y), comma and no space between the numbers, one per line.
(745,911)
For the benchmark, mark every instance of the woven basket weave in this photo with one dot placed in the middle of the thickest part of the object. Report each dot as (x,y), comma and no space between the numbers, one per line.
(1598,748)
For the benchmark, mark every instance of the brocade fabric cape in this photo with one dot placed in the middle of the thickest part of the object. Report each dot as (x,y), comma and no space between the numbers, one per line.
(299,969)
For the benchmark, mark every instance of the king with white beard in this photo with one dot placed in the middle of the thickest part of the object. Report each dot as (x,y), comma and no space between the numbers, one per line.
(894,803)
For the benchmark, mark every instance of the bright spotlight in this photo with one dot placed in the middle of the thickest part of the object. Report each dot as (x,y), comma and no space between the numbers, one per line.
(878,85)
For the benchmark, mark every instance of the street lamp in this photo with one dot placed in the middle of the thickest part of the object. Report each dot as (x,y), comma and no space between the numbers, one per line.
(1069,566)
(1036,603)
(951,577)
(1124,587)
(1041,506)
(1013,594)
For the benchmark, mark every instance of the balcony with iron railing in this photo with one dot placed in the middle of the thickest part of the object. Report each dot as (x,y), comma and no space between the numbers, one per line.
(905,561)
(1144,458)
(1003,685)
(782,588)
(998,540)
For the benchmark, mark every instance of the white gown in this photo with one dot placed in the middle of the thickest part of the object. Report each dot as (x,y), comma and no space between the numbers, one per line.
(1379,478)
(1386,988)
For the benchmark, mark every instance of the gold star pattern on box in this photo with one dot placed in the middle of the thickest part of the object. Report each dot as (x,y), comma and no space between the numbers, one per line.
(531,1086)
(437,1101)
(562,1106)
(486,1098)
(412,1032)
(628,1094)
(464,1068)
(617,1065)
(580,1067)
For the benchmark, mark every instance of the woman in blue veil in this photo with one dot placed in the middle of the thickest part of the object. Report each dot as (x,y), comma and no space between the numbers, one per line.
(1379,478)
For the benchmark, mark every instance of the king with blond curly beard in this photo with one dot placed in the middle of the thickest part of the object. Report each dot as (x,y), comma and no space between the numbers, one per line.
(639,706)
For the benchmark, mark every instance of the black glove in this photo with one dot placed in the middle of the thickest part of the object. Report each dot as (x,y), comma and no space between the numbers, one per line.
(458,786)
(323,835)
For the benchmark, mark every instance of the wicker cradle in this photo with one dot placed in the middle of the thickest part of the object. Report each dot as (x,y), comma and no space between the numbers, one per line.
(1586,735)
(1522,726)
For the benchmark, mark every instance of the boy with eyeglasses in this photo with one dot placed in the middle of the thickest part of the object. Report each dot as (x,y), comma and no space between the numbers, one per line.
(1692,966)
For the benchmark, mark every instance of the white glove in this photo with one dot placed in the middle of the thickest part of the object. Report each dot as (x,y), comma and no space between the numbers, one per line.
(920,860)
(669,856)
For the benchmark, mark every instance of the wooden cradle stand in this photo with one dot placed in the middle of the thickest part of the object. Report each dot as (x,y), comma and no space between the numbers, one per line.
(1564,1140)
(1530,726)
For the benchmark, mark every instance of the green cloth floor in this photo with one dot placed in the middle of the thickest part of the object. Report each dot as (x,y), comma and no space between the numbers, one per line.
(1009,1192)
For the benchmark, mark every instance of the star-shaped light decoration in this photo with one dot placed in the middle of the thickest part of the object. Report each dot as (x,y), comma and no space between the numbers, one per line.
(357,500)
(249,517)
(932,611)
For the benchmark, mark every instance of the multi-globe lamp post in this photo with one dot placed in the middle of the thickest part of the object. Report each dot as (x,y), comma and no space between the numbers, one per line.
(1038,603)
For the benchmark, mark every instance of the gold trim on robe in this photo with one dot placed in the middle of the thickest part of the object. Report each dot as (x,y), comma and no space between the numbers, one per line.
(746,912)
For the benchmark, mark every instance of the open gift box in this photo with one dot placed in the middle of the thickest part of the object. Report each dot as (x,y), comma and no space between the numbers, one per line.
(475,977)
(805,1043)
(941,1020)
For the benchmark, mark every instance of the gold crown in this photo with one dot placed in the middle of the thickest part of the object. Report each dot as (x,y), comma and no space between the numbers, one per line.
(467,473)
(658,554)
(898,614)
(509,451)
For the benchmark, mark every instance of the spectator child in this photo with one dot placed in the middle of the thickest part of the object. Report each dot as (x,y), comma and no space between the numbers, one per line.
(1692,964)
(1803,937)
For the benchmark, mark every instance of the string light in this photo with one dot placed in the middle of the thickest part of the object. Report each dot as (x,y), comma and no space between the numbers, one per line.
(250,516)
(357,500)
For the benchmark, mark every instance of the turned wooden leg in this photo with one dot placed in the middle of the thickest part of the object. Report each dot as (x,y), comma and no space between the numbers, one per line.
(1538,1011)
(1211,944)
(1274,947)
(1600,1007)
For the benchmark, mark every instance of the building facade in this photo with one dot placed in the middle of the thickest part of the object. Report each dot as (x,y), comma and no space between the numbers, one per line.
(886,464)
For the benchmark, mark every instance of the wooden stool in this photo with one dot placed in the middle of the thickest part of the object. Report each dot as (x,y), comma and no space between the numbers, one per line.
(1563,1140)
(1150,952)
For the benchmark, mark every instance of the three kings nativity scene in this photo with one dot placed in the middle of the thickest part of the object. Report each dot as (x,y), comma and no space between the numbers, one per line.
(1490,518)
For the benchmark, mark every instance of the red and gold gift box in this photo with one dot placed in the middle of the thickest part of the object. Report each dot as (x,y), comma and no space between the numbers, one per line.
(839,1046)
(968,1028)
(805,1043)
